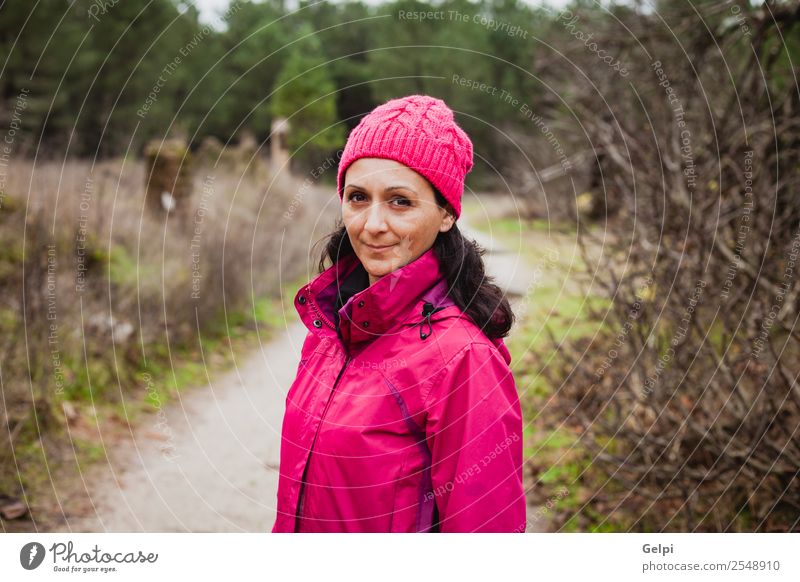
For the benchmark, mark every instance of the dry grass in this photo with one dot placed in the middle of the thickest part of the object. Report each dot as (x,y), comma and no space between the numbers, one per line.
(97,288)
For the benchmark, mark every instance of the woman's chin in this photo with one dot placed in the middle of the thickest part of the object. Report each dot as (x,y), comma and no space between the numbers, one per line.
(377,269)
(377,273)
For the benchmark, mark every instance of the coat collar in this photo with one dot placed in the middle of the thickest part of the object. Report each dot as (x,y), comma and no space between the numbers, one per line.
(394,299)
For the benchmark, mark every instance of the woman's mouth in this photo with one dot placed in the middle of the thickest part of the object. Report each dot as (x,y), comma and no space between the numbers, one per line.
(378,248)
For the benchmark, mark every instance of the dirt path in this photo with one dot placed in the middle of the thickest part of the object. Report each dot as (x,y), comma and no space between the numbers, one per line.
(219,470)
(503,263)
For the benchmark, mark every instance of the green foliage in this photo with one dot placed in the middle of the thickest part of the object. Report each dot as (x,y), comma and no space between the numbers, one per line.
(244,62)
(305,94)
(106,81)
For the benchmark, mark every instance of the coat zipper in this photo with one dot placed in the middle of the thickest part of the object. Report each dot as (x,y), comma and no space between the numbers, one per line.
(347,360)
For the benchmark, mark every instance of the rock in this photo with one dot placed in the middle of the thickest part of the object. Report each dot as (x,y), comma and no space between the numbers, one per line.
(70,413)
(121,331)
(11,508)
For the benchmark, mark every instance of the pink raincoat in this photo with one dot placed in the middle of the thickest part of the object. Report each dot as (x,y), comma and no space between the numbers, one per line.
(404,417)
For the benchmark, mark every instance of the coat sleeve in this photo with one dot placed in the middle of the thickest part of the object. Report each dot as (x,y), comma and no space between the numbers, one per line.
(474,434)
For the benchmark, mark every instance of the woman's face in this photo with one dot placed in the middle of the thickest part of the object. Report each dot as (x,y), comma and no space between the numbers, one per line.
(390,213)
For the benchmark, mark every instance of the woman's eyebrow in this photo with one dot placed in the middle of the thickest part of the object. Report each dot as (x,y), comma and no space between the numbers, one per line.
(409,188)
(387,189)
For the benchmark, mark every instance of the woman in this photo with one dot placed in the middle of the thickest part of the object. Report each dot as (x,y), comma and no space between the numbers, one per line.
(404,416)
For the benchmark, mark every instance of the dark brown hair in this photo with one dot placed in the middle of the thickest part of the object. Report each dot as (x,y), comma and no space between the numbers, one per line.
(461,262)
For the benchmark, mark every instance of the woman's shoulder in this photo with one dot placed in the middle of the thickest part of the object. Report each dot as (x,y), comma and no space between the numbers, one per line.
(428,351)
(453,346)
(459,336)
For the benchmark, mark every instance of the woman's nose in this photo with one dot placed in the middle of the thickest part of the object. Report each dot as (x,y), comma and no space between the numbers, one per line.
(376,219)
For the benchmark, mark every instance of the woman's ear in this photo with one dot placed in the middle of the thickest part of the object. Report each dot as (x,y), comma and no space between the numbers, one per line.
(448,220)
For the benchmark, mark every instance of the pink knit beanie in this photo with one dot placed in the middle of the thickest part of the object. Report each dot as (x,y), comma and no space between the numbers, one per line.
(418,131)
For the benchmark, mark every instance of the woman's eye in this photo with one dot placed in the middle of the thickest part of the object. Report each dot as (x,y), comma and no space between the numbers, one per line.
(400,201)
(355,196)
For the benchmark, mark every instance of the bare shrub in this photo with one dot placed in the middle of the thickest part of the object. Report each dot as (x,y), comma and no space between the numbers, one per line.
(686,400)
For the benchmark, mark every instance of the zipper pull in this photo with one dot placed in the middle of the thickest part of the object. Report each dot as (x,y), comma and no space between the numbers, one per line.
(427,310)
